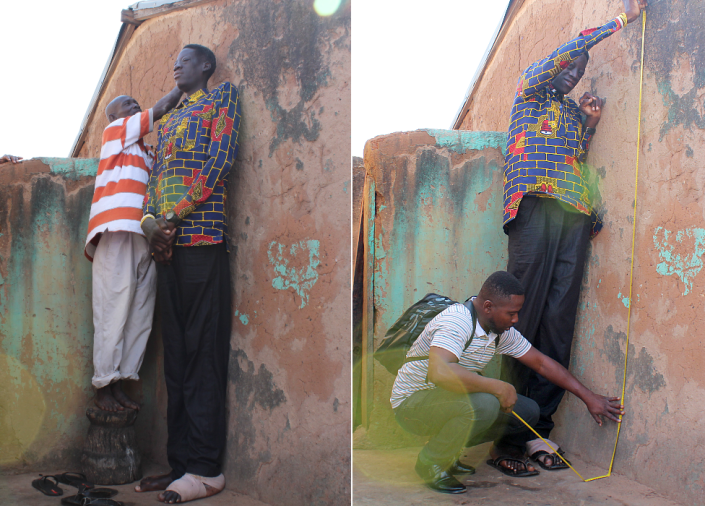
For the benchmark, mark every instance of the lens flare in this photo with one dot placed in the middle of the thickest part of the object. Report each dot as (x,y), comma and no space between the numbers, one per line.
(22,402)
(326,7)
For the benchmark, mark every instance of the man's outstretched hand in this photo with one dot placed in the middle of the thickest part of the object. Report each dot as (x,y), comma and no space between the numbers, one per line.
(609,407)
(10,158)
(632,8)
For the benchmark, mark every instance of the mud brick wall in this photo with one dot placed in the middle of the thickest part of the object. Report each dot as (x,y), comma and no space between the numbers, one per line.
(288,208)
(437,228)
(46,320)
(665,387)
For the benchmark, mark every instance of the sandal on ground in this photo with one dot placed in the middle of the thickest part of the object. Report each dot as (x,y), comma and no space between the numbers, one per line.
(558,461)
(77,480)
(496,463)
(99,501)
(93,493)
(46,487)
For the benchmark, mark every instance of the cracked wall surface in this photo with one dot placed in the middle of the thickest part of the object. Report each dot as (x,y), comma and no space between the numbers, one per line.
(46,320)
(289,221)
(662,432)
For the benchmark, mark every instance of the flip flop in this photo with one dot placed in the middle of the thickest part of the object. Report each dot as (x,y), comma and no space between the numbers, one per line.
(46,487)
(93,493)
(74,479)
(558,460)
(95,501)
(496,463)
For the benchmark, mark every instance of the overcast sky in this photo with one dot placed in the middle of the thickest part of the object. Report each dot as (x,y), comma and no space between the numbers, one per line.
(413,61)
(53,53)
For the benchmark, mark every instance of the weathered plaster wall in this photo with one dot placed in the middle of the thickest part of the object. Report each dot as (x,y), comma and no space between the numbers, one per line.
(289,218)
(662,433)
(46,319)
(437,229)
(358,178)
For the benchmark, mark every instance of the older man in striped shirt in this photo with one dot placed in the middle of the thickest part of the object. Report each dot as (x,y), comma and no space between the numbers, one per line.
(446,396)
(124,276)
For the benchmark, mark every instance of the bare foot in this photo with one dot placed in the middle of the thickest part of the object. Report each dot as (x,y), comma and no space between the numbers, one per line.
(104,400)
(151,483)
(513,453)
(122,397)
(169,497)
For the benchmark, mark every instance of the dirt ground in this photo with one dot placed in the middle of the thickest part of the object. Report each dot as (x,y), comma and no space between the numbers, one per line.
(387,478)
(17,490)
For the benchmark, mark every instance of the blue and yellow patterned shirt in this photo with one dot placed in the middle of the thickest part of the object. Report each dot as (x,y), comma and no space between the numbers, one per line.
(547,145)
(197,145)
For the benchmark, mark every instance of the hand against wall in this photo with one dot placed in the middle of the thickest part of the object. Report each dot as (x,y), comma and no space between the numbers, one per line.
(591,106)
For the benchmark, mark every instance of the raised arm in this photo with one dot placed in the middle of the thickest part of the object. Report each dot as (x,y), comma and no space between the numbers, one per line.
(540,74)
(597,405)
(166,103)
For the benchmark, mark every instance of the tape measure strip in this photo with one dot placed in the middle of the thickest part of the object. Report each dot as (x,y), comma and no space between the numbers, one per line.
(631,273)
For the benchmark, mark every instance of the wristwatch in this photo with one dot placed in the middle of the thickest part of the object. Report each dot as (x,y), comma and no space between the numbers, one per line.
(590,131)
(172,218)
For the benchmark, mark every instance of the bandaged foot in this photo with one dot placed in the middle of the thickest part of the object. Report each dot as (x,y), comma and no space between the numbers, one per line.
(545,456)
(536,445)
(190,487)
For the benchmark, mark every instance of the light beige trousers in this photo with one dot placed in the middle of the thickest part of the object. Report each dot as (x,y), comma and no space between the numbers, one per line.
(124,291)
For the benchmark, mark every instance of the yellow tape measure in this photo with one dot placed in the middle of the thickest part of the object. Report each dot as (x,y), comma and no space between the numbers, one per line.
(631,274)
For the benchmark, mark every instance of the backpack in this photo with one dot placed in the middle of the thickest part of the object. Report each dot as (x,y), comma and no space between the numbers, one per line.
(402,335)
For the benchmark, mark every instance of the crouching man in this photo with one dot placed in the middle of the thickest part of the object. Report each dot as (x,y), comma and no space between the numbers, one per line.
(447,398)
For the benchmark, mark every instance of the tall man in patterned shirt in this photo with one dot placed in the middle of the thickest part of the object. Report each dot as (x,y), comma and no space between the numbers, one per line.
(548,212)
(184,221)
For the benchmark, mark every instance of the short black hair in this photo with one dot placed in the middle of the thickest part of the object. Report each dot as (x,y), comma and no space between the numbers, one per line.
(502,285)
(586,55)
(205,54)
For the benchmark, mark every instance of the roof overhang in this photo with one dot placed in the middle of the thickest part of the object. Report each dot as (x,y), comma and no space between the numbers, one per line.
(131,18)
(512,8)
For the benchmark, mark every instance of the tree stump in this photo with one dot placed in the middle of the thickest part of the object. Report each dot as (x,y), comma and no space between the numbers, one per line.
(110,453)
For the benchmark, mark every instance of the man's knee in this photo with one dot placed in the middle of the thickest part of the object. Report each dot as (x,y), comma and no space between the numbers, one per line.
(485,407)
(528,409)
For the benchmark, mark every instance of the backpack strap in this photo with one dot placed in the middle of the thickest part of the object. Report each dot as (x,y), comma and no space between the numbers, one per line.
(473,315)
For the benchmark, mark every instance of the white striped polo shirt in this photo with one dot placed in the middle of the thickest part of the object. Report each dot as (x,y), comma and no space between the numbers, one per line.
(451,330)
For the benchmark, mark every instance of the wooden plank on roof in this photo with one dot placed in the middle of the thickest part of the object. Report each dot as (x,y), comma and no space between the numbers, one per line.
(141,15)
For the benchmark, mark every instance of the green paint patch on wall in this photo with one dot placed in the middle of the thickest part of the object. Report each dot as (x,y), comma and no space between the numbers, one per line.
(72,168)
(244,319)
(681,253)
(295,266)
(461,141)
(625,300)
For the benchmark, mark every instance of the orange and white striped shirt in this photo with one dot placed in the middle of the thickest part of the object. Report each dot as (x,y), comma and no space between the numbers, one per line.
(121,183)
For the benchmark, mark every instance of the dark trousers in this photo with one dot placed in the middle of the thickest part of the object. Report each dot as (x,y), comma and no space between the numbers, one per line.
(547,251)
(194,293)
(457,421)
